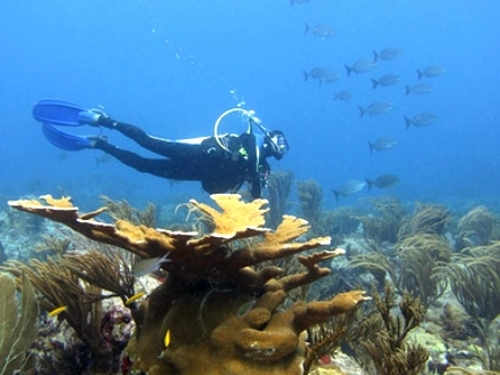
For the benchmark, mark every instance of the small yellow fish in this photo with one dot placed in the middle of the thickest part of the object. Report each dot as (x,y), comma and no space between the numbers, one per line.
(57,311)
(166,341)
(135,297)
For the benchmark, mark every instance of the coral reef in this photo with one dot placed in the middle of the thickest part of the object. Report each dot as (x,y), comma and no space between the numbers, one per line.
(80,302)
(310,195)
(390,351)
(427,218)
(475,228)
(476,285)
(385,225)
(19,324)
(279,189)
(215,311)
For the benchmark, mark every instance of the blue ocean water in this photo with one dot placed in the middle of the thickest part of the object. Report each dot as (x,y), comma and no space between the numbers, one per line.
(172,67)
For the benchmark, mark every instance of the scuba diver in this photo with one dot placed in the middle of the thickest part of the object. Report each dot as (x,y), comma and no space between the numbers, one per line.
(222,162)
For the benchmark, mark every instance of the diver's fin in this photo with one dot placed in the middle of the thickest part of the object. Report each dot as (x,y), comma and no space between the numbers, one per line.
(62,112)
(65,140)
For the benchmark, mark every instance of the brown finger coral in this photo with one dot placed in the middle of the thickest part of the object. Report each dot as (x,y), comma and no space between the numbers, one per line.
(217,314)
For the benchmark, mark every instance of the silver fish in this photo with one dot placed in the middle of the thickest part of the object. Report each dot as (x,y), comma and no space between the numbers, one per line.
(385,181)
(318,73)
(376,109)
(382,144)
(386,80)
(331,77)
(349,188)
(419,89)
(361,66)
(421,119)
(322,31)
(146,266)
(343,95)
(431,71)
(245,308)
(389,53)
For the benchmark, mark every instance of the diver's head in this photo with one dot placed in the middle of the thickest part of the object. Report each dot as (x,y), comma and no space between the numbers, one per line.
(277,143)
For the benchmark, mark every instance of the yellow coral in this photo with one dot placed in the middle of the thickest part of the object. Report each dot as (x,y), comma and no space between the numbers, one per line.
(210,278)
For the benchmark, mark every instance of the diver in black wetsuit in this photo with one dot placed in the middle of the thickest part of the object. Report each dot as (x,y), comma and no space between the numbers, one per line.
(222,163)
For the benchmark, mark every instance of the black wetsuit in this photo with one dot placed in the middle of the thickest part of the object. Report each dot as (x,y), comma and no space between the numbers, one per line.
(218,170)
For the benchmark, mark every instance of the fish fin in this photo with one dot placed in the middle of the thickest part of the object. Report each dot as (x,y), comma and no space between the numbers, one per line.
(408,90)
(420,74)
(361,111)
(375,56)
(306,76)
(369,183)
(336,194)
(408,123)
(349,69)
(375,83)
(371,147)
(307,29)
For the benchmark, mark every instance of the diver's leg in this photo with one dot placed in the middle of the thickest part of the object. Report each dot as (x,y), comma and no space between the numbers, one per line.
(165,168)
(161,146)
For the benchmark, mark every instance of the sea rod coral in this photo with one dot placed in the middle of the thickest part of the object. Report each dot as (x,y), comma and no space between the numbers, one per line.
(216,312)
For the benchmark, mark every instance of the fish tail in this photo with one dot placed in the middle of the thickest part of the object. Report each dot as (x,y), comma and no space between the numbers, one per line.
(349,69)
(408,90)
(375,83)
(375,56)
(307,29)
(369,183)
(420,74)
(361,111)
(408,123)
(336,195)
(306,76)
(336,97)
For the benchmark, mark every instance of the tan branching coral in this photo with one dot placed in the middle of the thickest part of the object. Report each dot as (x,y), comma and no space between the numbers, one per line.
(221,315)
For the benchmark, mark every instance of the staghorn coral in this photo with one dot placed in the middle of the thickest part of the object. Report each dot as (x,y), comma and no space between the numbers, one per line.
(210,278)
(19,324)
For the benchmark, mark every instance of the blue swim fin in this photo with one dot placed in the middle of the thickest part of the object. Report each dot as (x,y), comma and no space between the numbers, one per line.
(65,141)
(62,112)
